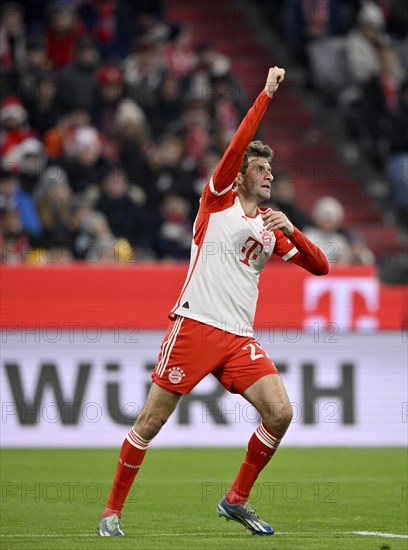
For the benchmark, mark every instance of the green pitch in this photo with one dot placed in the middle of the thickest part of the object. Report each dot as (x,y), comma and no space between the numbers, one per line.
(314,498)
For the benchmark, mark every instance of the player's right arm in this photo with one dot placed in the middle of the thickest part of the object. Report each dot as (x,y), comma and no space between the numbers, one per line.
(228,167)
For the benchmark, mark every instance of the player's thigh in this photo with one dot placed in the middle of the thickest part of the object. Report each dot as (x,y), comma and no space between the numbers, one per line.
(247,362)
(268,395)
(190,351)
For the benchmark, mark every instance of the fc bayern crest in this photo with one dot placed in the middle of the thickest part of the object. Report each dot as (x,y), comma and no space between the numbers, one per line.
(176,375)
(266,237)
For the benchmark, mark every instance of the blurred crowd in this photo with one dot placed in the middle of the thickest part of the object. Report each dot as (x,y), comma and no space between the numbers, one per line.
(355,53)
(111,123)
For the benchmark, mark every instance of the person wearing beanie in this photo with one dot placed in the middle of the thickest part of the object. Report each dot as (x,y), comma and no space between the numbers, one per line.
(15,128)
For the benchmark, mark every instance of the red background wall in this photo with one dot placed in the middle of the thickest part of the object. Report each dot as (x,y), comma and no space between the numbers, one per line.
(77,295)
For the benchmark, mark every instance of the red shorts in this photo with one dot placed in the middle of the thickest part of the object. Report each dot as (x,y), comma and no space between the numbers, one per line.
(191,350)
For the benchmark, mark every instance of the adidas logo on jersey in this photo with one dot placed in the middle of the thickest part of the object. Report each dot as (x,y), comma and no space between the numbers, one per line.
(186,305)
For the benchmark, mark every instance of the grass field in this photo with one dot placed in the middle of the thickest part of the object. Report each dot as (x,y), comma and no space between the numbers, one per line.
(314,498)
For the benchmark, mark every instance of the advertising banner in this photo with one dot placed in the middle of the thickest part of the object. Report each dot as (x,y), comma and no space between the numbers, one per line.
(69,297)
(85,387)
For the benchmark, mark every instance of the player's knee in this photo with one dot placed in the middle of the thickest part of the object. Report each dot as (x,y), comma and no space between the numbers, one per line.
(149,424)
(286,415)
(278,418)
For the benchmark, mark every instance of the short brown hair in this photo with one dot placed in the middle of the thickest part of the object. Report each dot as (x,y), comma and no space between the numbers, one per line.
(256,149)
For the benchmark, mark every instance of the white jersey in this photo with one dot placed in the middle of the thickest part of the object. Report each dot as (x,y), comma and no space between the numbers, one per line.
(229,252)
(230,249)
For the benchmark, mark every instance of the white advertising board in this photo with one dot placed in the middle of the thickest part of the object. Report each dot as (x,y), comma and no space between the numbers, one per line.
(84,388)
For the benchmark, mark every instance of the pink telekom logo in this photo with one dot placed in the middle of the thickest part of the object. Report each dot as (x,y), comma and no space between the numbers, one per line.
(342,303)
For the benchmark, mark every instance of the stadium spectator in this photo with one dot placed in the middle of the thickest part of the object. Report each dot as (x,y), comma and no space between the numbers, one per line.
(226,109)
(53,196)
(14,240)
(363,41)
(382,92)
(31,161)
(86,164)
(59,139)
(169,107)
(211,158)
(360,254)
(43,105)
(63,32)
(12,38)
(13,196)
(125,218)
(396,161)
(15,129)
(111,22)
(195,128)
(131,138)
(210,64)
(174,229)
(144,69)
(79,239)
(91,239)
(305,21)
(370,114)
(77,81)
(172,172)
(34,66)
(109,93)
(180,56)
(328,216)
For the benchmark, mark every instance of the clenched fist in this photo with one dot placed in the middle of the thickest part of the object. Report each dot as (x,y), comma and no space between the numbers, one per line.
(276,75)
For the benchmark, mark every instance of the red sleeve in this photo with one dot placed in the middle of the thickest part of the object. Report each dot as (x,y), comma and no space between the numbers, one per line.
(284,248)
(215,203)
(304,253)
(228,167)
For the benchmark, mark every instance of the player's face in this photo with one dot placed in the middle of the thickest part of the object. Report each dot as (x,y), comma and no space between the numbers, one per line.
(257,179)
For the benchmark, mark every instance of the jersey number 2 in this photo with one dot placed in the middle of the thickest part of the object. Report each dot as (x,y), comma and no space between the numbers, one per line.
(254,356)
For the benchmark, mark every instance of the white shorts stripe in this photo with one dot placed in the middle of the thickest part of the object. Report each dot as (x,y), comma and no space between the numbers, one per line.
(171,341)
(163,367)
(167,343)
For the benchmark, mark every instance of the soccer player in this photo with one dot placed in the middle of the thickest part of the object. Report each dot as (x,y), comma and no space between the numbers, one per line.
(211,324)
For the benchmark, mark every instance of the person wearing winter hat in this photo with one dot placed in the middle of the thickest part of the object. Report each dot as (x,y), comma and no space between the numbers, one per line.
(13,118)
(328,216)
(109,92)
(12,113)
(363,41)
(86,164)
(31,160)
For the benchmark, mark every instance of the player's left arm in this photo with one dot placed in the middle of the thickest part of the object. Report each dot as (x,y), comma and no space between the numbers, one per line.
(293,246)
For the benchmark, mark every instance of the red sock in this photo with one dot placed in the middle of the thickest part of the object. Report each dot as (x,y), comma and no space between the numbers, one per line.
(130,459)
(261,448)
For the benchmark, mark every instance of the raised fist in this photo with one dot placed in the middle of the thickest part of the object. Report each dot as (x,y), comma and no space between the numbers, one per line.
(276,75)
